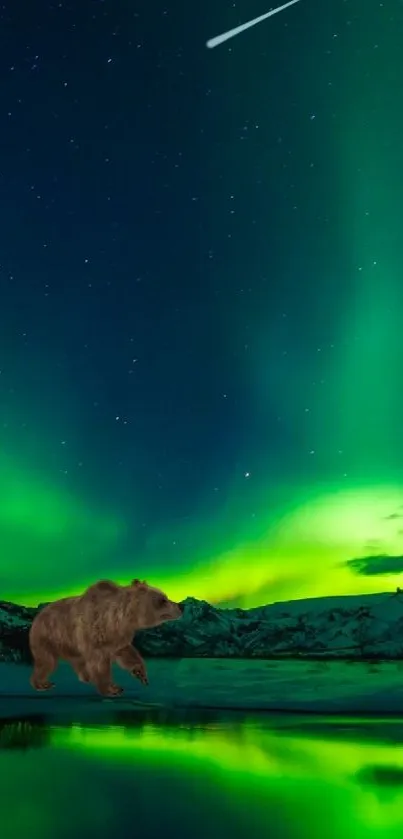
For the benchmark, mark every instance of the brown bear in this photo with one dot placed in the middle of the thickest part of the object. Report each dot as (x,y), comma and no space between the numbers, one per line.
(96,628)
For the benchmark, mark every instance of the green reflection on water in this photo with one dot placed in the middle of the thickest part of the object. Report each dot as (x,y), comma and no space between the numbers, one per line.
(237,780)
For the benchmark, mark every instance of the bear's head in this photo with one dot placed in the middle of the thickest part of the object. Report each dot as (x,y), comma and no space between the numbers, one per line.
(153,606)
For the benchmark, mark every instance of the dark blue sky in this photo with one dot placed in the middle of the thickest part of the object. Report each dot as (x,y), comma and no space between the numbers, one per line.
(175,253)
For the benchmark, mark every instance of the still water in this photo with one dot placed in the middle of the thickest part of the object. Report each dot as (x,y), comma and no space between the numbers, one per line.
(238,778)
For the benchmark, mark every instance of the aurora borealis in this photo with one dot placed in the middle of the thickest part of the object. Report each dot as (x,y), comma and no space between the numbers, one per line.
(201,329)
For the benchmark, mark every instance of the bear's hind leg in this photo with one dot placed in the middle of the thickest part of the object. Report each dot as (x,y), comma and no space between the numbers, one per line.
(80,668)
(45,661)
(99,671)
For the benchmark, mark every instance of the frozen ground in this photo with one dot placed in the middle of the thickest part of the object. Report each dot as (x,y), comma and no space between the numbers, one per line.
(294,686)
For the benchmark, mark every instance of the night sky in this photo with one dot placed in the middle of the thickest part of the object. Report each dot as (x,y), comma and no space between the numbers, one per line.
(201,320)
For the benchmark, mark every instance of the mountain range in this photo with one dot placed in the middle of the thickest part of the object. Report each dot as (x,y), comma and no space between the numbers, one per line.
(344,627)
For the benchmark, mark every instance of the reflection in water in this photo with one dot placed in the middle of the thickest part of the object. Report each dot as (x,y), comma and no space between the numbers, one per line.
(233,780)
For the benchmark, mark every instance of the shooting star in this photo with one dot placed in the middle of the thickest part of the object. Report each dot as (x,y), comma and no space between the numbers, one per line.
(219,39)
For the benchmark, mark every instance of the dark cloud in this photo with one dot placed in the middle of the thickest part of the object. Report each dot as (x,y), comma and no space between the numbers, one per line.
(372,565)
(394,516)
(381,776)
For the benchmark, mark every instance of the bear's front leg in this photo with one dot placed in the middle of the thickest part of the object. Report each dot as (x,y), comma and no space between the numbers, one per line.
(130,659)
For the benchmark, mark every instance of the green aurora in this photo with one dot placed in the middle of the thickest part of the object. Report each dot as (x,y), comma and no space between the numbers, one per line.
(48,535)
(292,538)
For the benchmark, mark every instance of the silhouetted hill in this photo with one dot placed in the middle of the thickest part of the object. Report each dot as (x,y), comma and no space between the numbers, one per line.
(349,627)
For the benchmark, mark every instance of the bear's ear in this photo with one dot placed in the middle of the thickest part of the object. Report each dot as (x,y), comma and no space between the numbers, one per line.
(138,584)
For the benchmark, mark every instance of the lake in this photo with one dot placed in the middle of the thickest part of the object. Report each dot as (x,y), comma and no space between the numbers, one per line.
(178,774)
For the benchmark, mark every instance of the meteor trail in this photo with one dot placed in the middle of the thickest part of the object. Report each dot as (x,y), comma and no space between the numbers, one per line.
(219,39)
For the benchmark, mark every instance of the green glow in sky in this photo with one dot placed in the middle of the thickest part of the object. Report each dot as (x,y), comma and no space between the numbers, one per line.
(47,537)
(52,546)
(291,537)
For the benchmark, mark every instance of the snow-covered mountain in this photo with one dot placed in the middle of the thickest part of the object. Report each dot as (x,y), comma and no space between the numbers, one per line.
(349,627)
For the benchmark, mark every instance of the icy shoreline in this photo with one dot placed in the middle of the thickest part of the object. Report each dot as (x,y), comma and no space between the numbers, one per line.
(287,686)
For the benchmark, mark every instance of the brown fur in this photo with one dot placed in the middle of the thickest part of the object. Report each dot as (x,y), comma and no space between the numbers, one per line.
(96,628)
